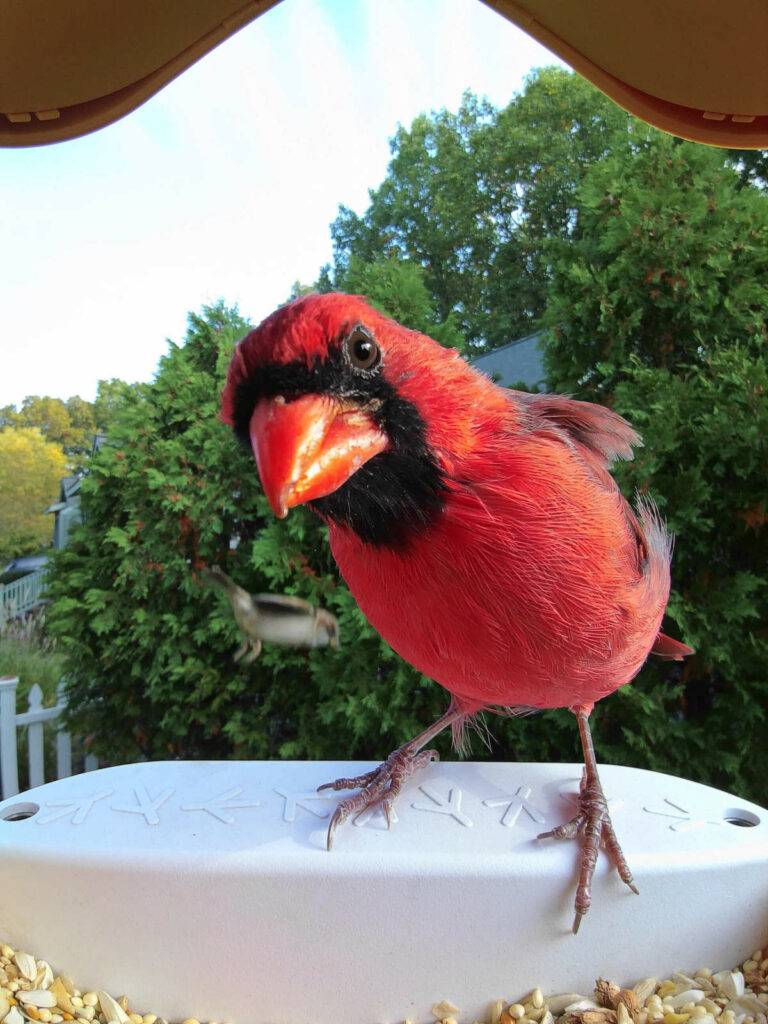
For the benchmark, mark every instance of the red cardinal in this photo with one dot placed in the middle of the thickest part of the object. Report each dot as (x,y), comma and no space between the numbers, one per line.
(477,527)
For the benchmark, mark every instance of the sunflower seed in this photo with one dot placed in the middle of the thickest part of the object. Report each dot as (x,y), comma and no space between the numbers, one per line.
(27,965)
(111,1009)
(558,1003)
(37,997)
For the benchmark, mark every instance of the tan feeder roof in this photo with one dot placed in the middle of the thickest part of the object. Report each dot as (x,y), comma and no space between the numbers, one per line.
(696,68)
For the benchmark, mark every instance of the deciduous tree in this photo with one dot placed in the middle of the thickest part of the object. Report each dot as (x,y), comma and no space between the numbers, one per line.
(30,472)
(471,196)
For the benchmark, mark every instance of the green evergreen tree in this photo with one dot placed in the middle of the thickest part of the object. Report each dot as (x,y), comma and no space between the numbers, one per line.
(658,307)
(110,395)
(669,262)
(646,257)
(149,649)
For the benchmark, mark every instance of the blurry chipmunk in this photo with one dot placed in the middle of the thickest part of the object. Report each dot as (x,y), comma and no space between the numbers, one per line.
(274,618)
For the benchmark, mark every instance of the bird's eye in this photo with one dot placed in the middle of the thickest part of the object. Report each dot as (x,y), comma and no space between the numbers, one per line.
(362,350)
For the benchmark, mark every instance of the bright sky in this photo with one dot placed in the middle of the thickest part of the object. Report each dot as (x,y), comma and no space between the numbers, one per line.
(226,182)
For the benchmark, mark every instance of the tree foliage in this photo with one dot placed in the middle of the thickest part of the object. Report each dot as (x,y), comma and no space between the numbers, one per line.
(70,423)
(470,197)
(110,396)
(397,288)
(670,262)
(30,470)
(42,427)
(475,198)
(705,426)
(149,649)
(646,258)
(658,307)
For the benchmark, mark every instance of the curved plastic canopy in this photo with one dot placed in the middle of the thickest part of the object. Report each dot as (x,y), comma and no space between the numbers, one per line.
(696,68)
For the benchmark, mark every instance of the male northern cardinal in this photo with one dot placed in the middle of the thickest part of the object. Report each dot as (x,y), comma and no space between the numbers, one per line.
(477,527)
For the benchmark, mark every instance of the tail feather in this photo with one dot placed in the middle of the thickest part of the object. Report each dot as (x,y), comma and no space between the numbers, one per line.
(215,576)
(658,544)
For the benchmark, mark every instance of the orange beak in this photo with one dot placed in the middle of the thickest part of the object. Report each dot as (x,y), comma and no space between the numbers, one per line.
(307,448)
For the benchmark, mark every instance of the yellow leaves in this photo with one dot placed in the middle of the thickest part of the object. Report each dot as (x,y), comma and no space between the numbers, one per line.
(50,415)
(30,472)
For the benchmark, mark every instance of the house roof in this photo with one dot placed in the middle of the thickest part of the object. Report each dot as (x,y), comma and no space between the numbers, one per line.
(69,487)
(518,362)
(25,563)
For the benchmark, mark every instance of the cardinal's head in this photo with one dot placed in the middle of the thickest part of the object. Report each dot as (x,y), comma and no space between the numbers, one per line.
(349,412)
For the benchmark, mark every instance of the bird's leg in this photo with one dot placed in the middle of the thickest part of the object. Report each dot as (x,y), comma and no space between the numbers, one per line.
(593,821)
(382,784)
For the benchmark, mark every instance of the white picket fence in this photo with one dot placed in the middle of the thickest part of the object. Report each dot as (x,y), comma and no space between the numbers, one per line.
(34,718)
(21,596)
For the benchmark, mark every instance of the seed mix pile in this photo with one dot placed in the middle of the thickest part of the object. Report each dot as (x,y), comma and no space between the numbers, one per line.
(30,991)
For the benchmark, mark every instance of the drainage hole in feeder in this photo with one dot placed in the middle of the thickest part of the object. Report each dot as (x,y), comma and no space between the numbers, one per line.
(19,812)
(738,816)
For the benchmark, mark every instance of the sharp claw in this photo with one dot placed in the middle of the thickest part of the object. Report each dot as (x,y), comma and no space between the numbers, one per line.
(381,785)
(566,831)
(577,921)
(634,888)
(335,820)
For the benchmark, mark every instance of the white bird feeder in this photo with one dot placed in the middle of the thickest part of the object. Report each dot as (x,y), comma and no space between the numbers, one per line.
(204,889)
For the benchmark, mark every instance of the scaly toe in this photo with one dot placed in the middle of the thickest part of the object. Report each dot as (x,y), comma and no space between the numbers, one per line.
(379,786)
(569,830)
(355,783)
(353,806)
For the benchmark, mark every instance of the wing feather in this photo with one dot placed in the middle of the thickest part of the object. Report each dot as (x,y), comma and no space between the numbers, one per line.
(282,604)
(599,437)
(602,432)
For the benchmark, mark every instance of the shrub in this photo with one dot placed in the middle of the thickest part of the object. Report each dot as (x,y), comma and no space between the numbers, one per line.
(149,649)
